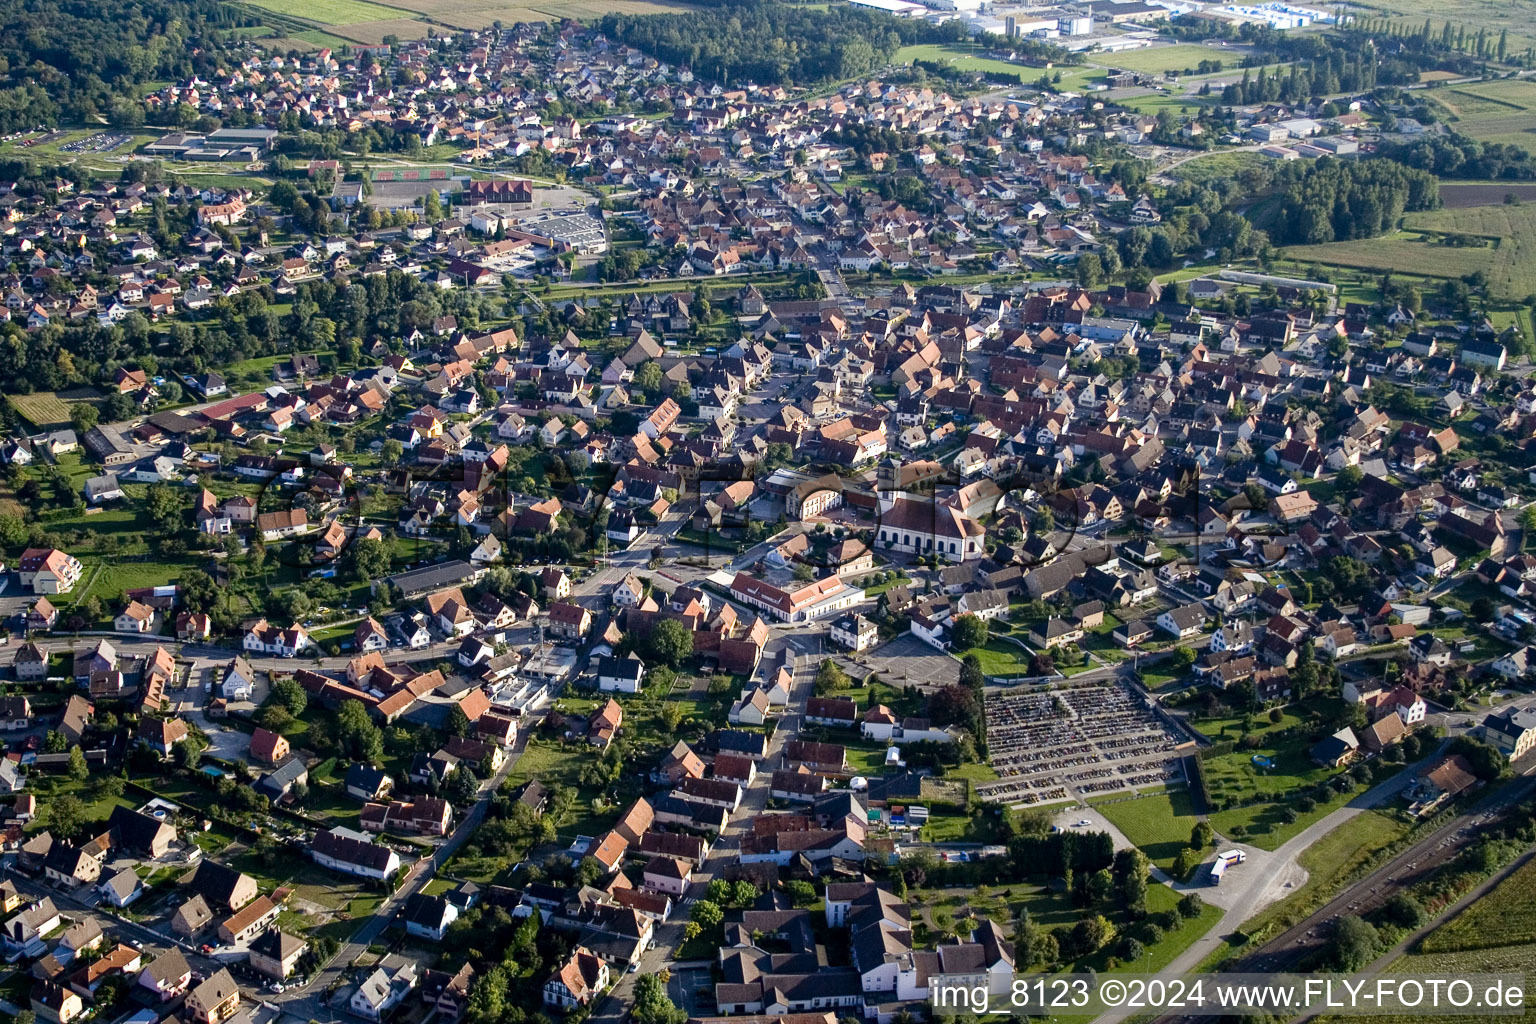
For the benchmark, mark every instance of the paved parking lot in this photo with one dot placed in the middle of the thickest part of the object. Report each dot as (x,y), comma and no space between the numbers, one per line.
(684,987)
(907,659)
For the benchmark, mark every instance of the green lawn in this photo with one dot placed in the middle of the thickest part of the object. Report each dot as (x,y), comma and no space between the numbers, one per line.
(964,58)
(1328,862)
(1215,165)
(1175,940)
(944,910)
(1002,658)
(549,761)
(978,772)
(1177,102)
(946,828)
(1233,777)
(1159,823)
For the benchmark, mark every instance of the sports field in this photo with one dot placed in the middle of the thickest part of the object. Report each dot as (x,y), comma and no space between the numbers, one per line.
(1161,59)
(1499,111)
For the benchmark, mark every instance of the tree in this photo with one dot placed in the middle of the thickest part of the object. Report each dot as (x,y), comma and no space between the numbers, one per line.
(1091,934)
(1406,911)
(648,377)
(1348,480)
(969,631)
(1527,526)
(1130,874)
(185,753)
(462,787)
(971,675)
(164,506)
(708,913)
(1190,906)
(78,771)
(1090,273)
(829,677)
(457,722)
(83,416)
(652,1004)
(670,643)
(488,999)
(66,816)
(1184,862)
(391,453)
(355,732)
(289,695)
(1201,835)
(1486,760)
(1353,945)
(671,716)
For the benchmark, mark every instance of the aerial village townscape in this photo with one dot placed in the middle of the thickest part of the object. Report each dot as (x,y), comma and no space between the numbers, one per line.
(731,511)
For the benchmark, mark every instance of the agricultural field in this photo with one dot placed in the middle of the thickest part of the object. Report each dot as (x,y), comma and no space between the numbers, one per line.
(1505,917)
(330,12)
(1499,111)
(47,410)
(1458,195)
(1513,272)
(482,13)
(1473,14)
(1402,252)
(1504,960)
(374,32)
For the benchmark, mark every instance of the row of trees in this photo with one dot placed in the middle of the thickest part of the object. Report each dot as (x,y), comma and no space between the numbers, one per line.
(1336,72)
(1457,156)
